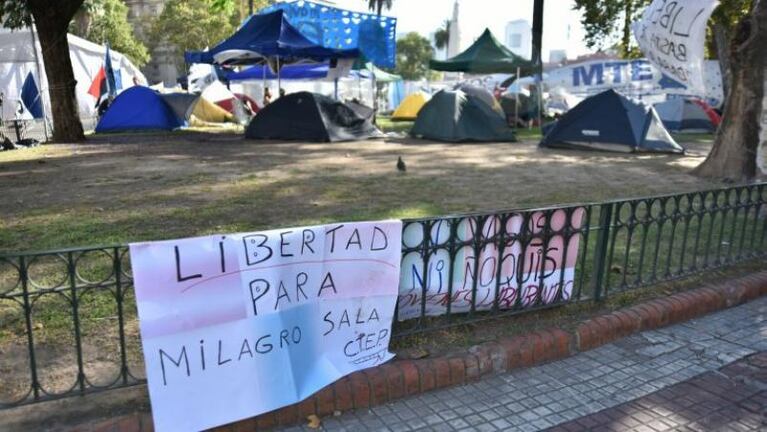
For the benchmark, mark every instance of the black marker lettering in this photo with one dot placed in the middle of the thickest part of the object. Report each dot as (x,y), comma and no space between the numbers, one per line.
(180,278)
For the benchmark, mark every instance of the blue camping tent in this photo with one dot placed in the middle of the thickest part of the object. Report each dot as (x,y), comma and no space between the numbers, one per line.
(138,108)
(266,36)
(610,121)
(684,115)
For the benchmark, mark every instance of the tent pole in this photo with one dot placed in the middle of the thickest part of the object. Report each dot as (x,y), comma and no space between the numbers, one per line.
(263,83)
(279,77)
(40,78)
(375,94)
(335,88)
(516,101)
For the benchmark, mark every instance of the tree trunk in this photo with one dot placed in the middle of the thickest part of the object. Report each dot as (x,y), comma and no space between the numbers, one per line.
(722,43)
(52,24)
(734,155)
(627,19)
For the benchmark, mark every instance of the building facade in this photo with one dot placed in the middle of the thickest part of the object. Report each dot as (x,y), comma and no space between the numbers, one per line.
(519,38)
(161,66)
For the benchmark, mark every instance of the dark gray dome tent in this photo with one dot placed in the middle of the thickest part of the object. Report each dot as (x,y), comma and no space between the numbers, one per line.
(455,116)
(612,122)
(309,116)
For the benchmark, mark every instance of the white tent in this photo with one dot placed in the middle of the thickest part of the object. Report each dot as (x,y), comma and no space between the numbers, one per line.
(17,59)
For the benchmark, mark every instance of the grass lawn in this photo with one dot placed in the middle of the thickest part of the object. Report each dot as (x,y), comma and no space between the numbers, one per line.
(125,188)
(150,187)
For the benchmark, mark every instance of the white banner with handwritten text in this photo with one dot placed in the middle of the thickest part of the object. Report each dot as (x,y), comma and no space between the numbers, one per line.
(672,34)
(237,325)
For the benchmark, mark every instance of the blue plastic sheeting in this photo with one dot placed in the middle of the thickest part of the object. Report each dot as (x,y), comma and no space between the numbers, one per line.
(374,36)
(138,108)
(291,72)
(268,35)
(31,97)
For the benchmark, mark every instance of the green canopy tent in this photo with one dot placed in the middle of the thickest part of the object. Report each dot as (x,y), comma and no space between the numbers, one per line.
(485,56)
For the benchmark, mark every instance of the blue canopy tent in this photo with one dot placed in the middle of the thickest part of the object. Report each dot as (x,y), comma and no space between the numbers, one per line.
(290,72)
(264,37)
(375,36)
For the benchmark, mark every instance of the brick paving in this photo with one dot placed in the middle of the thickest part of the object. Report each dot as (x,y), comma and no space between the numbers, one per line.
(733,398)
(690,376)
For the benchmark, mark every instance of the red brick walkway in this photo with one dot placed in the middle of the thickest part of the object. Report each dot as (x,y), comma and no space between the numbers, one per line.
(733,398)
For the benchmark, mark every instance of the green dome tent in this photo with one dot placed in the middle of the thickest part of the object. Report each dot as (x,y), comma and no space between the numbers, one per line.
(455,116)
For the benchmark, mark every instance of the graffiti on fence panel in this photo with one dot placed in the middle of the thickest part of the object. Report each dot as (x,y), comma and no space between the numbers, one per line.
(514,261)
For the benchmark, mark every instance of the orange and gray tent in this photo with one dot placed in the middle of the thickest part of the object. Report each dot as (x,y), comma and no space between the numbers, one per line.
(186,105)
(408,109)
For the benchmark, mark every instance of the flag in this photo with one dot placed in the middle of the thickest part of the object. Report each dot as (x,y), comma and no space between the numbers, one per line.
(30,95)
(110,74)
(98,86)
(672,36)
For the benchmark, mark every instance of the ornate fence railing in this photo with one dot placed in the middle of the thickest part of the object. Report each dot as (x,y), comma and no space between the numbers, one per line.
(68,320)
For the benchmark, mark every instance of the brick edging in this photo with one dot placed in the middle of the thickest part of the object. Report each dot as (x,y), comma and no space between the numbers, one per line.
(402,378)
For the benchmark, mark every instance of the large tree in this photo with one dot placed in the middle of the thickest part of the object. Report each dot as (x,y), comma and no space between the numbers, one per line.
(442,36)
(603,20)
(52,23)
(413,54)
(103,21)
(193,25)
(379,5)
(734,155)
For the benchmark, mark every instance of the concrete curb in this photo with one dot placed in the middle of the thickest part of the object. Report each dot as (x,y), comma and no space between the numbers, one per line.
(402,378)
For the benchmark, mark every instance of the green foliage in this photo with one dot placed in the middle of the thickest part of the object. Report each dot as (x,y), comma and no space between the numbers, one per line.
(108,22)
(413,54)
(191,25)
(606,20)
(379,5)
(14,13)
(241,7)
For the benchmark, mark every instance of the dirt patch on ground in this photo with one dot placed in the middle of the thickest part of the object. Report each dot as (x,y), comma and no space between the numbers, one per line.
(127,188)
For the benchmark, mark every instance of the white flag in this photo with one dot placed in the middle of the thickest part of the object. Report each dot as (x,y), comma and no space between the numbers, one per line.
(672,34)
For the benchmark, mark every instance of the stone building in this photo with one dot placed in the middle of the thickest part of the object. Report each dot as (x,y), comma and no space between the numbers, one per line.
(161,66)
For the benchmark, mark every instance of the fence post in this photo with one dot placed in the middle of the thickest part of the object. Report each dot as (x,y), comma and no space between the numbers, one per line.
(600,254)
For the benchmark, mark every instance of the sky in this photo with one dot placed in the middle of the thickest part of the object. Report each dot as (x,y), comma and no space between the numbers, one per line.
(425,16)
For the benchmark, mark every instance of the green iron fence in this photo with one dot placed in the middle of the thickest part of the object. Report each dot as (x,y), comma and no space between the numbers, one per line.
(68,320)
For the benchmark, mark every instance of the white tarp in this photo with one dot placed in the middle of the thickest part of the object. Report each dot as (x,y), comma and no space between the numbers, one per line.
(672,34)
(638,78)
(17,59)
(237,325)
(520,275)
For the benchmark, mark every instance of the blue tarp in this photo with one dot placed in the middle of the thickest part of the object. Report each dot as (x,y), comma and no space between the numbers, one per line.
(374,36)
(138,108)
(267,35)
(291,72)
(30,96)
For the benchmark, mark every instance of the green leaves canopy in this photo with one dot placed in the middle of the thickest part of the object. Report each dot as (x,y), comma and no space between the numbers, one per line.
(413,54)
(108,22)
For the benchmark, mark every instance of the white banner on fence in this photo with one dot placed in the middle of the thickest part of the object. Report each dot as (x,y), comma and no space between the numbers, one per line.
(672,35)
(537,272)
(237,325)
